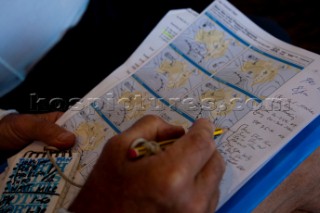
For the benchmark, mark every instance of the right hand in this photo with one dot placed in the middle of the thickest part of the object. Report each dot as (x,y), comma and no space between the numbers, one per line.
(183,178)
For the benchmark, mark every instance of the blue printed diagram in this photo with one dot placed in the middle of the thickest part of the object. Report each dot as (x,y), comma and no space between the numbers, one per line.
(257,74)
(208,45)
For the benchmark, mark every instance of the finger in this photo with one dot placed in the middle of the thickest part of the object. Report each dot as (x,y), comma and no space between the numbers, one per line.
(51,116)
(150,127)
(192,151)
(214,201)
(33,128)
(212,171)
(209,178)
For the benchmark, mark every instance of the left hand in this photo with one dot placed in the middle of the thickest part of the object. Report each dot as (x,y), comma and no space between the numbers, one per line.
(18,130)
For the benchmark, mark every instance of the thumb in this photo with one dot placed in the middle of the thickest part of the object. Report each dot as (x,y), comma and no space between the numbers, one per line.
(26,128)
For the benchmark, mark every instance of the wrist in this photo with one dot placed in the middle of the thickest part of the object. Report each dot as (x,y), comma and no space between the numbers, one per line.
(4,113)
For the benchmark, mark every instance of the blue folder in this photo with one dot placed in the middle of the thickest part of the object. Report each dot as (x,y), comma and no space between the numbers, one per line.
(275,171)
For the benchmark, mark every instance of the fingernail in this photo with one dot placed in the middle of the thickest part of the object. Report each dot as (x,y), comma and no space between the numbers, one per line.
(66,136)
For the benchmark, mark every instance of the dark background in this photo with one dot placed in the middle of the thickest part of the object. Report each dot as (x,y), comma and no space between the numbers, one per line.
(111,30)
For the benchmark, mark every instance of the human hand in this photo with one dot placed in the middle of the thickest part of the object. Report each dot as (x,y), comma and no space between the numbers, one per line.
(18,130)
(184,177)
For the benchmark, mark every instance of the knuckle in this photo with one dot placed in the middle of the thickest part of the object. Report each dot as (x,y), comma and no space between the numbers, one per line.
(198,136)
(206,124)
(205,120)
(152,118)
(201,140)
(172,183)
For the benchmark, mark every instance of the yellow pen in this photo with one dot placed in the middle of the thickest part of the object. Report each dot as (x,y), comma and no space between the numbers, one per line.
(141,150)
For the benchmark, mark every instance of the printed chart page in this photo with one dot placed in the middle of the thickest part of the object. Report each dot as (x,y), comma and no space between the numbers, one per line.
(222,67)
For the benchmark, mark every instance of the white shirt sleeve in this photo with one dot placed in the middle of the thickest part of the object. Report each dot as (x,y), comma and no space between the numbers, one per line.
(28,30)
(6,112)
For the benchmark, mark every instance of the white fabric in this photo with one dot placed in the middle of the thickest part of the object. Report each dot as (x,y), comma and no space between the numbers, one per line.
(28,29)
(6,112)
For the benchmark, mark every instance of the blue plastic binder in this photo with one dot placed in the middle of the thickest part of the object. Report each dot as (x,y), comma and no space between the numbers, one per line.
(275,171)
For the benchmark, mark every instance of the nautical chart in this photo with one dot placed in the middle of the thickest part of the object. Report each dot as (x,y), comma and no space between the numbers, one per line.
(91,134)
(257,73)
(207,71)
(208,45)
(204,72)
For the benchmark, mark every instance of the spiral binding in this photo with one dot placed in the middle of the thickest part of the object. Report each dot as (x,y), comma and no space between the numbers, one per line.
(53,152)
(50,152)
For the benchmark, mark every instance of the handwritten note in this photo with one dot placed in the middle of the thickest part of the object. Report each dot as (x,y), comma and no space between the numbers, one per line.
(265,130)
(255,136)
(32,185)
